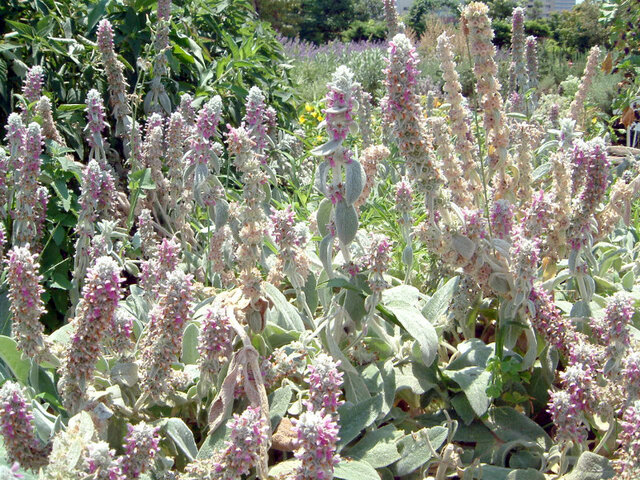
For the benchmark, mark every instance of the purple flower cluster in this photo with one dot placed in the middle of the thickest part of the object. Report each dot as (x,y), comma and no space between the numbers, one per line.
(17,429)
(590,169)
(100,296)
(257,118)
(32,86)
(96,123)
(628,462)
(501,219)
(402,111)
(215,343)
(317,428)
(248,434)
(163,342)
(115,78)
(154,271)
(27,213)
(612,330)
(325,382)
(26,303)
(317,436)
(140,449)
(377,261)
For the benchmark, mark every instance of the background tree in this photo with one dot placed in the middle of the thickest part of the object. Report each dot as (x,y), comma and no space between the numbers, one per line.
(325,20)
(283,15)
(423,8)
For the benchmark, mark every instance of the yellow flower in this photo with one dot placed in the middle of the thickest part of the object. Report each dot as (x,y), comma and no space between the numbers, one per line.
(302,119)
(319,138)
(308,108)
(437,103)
(594,120)
(319,118)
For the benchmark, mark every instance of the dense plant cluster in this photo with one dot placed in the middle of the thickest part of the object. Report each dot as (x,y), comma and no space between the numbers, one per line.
(407,286)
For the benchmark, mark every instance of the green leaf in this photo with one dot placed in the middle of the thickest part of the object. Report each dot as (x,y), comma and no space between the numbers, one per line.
(12,357)
(377,448)
(290,315)
(415,451)
(416,377)
(178,431)
(438,305)
(190,353)
(509,425)
(349,469)
(418,327)
(214,441)
(62,191)
(284,469)
(474,382)
(279,404)
(96,11)
(355,418)
(629,280)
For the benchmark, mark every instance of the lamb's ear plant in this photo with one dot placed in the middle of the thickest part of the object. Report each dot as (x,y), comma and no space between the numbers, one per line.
(450,293)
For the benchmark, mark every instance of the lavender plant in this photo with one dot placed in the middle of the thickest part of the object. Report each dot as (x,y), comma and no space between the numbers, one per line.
(453,295)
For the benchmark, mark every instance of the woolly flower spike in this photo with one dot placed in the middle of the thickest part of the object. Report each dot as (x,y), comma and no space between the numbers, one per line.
(371,157)
(248,433)
(26,305)
(209,117)
(154,271)
(186,109)
(532,60)
(613,328)
(292,259)
(577,106)
(49,130)
(340,105)
(458,112)
(97,197)
(17,430)
(164,9)
(631,374)
(121,341)
(215,343)
(100,296)
(163,343)
(568,422)
(456,182)
(517,50)
(16,136)
(317,434)
(628,462)
(32,87)
(115,78)
(140,448)
(378,261)
(401,109)
(324,384)
(404,200)
(148,237)
(26,175)
(501,218)
(591,168)
(477,25)
(548,321)
(391,17)
(524,263)
(100,463)
(256,118)
(95,120)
